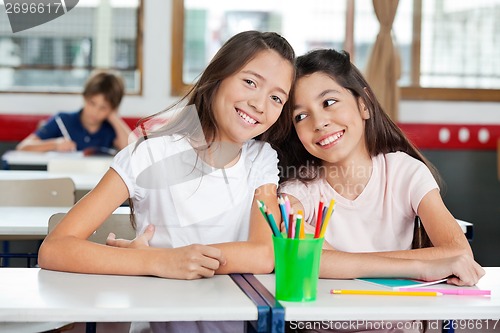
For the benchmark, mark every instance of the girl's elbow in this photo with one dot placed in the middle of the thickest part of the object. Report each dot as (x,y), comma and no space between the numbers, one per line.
(267,266)
(266,262)
(43,257)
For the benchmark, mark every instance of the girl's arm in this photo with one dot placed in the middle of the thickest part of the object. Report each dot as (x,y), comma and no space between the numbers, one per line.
(255,255)
(446,235)
(459,266)
(66,248)
(122,130)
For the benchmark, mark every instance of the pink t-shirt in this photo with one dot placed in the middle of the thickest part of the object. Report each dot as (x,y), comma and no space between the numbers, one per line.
(381,218)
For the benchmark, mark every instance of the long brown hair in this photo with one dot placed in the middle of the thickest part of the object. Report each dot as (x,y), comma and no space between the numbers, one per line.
(231,57)
(382,135)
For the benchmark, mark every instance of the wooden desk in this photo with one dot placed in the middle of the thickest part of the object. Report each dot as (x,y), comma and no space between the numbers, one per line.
(23,223)
(329,307)
(37,295)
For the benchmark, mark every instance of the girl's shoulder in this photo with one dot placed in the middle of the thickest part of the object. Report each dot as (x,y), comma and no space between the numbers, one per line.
(304,187)
(399,160)
(257,148)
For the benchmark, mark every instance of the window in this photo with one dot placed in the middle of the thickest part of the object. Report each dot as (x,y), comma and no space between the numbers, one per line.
(449,49)
(58,56)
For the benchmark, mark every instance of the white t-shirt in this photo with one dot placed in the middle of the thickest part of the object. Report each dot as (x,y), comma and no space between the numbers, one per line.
(190,202)
(187,200)
(382,217)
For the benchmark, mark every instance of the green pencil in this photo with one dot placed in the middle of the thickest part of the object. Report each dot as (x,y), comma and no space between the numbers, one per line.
(269,219)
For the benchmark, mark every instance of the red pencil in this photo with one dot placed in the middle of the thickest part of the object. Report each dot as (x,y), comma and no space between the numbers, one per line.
(291,225)
(319,220)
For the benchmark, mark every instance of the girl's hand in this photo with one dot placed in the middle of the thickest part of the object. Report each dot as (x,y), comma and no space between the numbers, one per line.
(192,262)
(188,262)
(139,242)
(461,270)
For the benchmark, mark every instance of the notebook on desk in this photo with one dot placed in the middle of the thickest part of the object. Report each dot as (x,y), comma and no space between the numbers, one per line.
(396,283)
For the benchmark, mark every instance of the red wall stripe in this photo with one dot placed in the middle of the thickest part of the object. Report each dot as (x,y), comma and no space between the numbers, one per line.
(453,136)
(17,127)
(424,136)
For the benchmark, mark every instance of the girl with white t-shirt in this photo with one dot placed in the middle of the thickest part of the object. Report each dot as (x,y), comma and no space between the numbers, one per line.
(194,181)
(344,147)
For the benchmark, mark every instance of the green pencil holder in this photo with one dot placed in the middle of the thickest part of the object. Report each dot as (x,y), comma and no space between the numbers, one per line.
(297,268)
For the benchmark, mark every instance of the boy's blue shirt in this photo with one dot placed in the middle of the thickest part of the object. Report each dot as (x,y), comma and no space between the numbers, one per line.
(103,138)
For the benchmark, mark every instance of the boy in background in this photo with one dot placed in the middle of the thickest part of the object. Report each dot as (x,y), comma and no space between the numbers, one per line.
(96,126)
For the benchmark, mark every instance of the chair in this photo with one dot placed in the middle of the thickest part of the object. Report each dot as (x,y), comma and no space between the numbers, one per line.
(119,224)
(421,239)
(52,192)
(37,192)
(90,165)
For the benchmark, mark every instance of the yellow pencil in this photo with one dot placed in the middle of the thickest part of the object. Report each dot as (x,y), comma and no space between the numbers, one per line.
(384,292)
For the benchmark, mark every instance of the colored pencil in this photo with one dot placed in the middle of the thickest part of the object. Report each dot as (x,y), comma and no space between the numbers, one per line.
(288,206)
(298,222)
(462,292)
(281,203)
(319,219)
(327,218)
(291,223)
(384,292)
(273,226)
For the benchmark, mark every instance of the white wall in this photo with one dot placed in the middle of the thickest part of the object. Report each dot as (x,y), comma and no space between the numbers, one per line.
(156,86)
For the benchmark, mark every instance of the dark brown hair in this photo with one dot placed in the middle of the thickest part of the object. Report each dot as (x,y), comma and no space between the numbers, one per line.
(382,135)
(231,57)
(107,83)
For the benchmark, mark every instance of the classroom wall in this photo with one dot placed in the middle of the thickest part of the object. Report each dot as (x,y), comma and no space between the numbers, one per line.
(473,187)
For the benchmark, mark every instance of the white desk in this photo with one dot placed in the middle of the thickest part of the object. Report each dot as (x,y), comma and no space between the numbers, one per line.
(32,222)
(41,159)
(83,181)
(37,295)
(361,307)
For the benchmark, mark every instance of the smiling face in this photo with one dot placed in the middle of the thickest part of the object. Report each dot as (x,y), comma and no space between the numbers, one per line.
(250,101)
(329,121)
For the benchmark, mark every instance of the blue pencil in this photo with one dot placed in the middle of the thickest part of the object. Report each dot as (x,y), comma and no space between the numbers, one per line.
(284,213)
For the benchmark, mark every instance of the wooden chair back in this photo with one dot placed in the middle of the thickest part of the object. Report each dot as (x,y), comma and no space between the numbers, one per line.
(37,192)
(119,224)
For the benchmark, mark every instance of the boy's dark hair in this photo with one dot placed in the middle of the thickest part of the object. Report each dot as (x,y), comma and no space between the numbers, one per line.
(107,83)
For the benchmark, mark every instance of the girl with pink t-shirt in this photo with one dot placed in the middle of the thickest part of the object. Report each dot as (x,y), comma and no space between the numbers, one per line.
(343,146)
